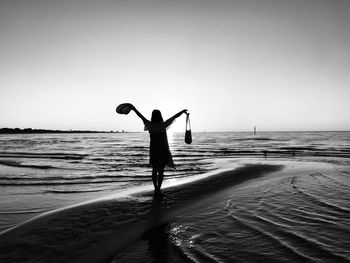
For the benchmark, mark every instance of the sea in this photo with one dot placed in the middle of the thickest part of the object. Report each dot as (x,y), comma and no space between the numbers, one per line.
(300,214)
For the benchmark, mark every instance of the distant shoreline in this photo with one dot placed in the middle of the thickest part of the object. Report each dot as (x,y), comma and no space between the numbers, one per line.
(35,131)
(43,131)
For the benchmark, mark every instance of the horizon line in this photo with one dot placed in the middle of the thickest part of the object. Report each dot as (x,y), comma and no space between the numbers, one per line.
(43,130)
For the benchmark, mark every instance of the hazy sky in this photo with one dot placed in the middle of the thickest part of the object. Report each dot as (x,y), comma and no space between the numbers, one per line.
(276,64)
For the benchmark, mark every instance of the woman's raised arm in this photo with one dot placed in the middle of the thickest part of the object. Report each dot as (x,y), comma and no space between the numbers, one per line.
(138,114)
(170,120)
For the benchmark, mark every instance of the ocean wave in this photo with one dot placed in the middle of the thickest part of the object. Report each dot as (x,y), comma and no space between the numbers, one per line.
(326,204)
(65,156)
(20,212)
(34,166)
(272,239)
(70,178)
(253,139)
(73,191)
(288,232)
(106,180)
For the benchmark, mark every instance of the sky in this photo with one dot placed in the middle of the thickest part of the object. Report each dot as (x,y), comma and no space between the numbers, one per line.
(275,64)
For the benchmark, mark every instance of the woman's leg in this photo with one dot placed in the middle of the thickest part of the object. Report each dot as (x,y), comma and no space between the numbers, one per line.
(160,177)
(154,177)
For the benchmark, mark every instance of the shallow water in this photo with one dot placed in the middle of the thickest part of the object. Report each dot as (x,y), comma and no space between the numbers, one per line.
(300,218)
(298,214)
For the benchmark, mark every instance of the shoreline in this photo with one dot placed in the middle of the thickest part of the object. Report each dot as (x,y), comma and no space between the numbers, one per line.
(81,229)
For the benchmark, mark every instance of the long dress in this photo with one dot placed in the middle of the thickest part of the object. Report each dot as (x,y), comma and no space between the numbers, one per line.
(159,151)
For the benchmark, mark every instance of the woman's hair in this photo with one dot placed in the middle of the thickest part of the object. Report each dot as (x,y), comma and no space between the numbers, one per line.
(156,116)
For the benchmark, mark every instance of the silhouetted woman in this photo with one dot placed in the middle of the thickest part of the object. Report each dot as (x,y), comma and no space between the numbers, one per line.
(160,155)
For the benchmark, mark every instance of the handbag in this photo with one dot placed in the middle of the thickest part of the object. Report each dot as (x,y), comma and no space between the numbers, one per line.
(188,135)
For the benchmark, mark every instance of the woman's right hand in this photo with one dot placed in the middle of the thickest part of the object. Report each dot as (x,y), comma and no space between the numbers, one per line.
(132,107)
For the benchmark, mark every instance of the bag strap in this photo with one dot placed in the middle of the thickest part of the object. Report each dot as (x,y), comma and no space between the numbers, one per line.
(188,123)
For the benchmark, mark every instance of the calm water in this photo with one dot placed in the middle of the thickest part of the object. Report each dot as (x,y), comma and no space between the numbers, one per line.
(304,217)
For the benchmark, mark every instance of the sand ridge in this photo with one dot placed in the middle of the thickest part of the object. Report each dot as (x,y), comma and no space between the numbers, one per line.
(95,231)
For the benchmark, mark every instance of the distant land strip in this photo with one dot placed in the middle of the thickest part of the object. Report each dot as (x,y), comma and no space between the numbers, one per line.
(30,130)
